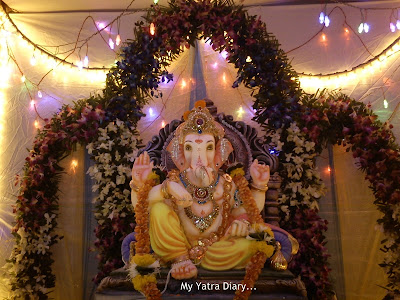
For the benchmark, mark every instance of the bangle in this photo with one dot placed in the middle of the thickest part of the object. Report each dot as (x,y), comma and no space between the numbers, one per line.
(262,188)
(134,187)
(164,190)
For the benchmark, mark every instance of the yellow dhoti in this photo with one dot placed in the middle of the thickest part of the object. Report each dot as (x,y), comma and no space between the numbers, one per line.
(168,240)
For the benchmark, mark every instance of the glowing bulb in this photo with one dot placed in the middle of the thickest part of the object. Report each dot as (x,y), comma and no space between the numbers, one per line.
(33,60)
(366,27)
(385,103)
(215,65)
(74,164)
(327,21)
(248,59)
(398,24)
(392,27)
(100,25)
(328,169)
(80,65)
(111,43)
(346,30)
(32,103)
(86,61)
(361,28)
(183,84)
(323,37)
(151,112)
(240,112)
(224,78)
(224,54)
(321,18)
(23,78)
(152,29)
(39,93)
(155,1)
(36,124)
(118,40)
(163,124)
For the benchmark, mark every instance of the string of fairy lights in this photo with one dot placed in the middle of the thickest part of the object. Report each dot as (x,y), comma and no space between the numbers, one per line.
(64,68)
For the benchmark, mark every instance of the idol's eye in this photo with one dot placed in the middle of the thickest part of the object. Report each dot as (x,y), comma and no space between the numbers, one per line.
(210,147)
(188,148)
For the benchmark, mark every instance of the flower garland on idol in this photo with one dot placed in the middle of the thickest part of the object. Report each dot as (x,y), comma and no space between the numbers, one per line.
(297,124)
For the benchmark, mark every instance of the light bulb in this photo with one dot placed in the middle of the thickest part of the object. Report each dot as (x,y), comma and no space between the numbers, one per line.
(215,65)
(248,59)
(152,29)
(32,103)
(155,1)
(74,163)
(80,65)
(39,93)
(361,28)
(100,25)
(385,103)
(151,112)
(327,21)
(86,61)
(183,84)
(33,60)
(328,169)
(323,37)
(392,27)
(118,40)
(36,124)
(23,78)
(366,27)
(111,43)
(240,111)
(321,18)
(163,124)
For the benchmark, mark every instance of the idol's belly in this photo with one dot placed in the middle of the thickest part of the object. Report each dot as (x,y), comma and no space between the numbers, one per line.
(195,228)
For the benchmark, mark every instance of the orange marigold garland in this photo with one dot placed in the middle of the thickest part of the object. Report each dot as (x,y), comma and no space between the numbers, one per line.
(253,270)
(142,246)
(258,260)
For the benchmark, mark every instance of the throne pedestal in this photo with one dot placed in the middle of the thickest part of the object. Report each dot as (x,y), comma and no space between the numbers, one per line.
(271,285)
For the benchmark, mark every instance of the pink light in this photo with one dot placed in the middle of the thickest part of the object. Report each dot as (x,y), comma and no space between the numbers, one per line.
(215,65)
(32,103)
(111,43)
(224,54)
(163,124)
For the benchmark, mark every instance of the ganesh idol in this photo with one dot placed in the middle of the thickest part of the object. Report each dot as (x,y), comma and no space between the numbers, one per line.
(198,215)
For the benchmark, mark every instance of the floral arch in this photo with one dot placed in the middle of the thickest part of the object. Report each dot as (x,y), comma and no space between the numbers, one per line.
(297,125)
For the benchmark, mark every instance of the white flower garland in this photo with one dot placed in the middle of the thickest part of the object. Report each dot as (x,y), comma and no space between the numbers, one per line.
(113,153)
(303,182)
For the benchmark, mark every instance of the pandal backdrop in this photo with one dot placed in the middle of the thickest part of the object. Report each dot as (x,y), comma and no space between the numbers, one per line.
(178,53)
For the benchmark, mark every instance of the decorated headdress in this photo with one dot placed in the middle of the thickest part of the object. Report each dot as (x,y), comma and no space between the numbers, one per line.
(199,120)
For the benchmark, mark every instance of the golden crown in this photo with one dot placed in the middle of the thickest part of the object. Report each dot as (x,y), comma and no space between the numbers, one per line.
(199,120)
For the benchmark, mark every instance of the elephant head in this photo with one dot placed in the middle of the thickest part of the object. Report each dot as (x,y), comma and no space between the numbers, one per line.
(199,146)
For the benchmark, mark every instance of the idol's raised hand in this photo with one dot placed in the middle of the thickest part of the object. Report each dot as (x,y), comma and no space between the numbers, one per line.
(141,169)
(259,173)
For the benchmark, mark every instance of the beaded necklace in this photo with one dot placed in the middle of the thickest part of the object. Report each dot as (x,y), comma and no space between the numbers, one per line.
(200,194)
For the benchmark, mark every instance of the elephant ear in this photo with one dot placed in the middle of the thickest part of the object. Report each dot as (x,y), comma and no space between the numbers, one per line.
(176,151)
(222,151)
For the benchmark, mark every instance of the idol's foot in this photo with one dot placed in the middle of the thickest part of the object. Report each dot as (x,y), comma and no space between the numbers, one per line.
(183,270)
